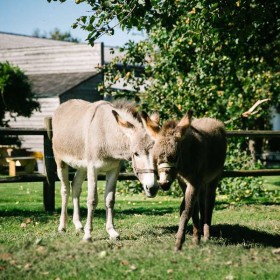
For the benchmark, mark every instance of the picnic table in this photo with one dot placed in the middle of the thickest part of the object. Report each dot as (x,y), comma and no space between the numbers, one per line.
(27,162)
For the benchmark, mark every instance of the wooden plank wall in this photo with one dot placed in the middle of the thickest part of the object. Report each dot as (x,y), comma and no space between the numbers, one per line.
(55,59)
(35,142)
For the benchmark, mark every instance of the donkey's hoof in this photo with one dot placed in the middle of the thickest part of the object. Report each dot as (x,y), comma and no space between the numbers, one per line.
(205,240)
(61,230)
(178,246)
(178,249)
(79,231)
(115,238)
(195,241)
(87,240)
(114,235)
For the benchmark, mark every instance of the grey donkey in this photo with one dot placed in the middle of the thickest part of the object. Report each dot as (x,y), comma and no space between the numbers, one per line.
(95,138)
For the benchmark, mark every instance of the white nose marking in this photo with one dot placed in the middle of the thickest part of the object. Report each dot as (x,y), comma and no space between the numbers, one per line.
(163,178)
(149,180)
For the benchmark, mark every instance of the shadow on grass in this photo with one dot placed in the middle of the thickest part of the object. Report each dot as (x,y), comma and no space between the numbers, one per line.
(83,211)
(100,212)
(133,211)
(236,234)
(225,234)
(277,183)
(43,214)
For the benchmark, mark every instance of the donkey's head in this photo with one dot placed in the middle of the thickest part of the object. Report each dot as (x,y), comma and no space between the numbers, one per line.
(166,150)
(141,146)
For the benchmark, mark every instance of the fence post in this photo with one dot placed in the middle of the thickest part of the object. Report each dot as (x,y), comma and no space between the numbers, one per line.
(50,168)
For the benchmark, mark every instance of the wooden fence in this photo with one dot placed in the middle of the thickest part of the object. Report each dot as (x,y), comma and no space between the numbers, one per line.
(49,177)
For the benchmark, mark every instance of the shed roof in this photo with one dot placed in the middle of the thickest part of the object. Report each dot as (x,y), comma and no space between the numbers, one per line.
(53,66)
(51,85)
(17,41)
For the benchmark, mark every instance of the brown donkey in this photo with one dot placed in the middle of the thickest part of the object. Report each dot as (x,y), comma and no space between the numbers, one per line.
(194,152)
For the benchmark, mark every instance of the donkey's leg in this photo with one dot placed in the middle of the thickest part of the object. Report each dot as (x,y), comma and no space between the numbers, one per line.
(182,206)
(190,200)
(201,199)
(62,173)
(111,177)
(77,182)
(196,224)
(210,198)
(183,188)
(195,216)
(92,200)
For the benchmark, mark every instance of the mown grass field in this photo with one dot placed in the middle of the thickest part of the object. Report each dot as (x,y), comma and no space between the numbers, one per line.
(245,243)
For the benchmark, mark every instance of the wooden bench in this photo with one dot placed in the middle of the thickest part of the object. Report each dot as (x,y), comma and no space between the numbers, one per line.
(27,162)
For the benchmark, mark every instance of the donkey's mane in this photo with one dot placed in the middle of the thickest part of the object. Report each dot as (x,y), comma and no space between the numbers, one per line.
(128,106)
(168,127)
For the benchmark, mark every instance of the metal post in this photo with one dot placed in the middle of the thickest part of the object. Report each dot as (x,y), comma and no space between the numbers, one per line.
(50,168)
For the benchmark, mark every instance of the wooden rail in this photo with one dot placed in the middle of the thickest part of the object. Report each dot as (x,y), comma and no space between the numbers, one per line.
(50,177)
(254,133)
(23,131)
(131,176)
(42,178)
(251,173)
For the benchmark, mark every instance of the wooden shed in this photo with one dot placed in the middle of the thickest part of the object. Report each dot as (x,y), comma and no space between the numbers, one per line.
(58,71)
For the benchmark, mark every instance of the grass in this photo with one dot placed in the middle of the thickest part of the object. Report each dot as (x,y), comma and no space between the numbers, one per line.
(245,243)
(272,182)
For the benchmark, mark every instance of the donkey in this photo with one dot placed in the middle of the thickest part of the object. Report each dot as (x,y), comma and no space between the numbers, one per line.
(93,138)
(194,152)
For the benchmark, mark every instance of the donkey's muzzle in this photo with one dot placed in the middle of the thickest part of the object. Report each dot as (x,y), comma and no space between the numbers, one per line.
(167,174)
(151,191)
(148,179)
(165,186)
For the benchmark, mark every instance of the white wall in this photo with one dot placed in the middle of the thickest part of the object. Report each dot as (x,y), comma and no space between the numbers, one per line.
(35,142)
(275,119)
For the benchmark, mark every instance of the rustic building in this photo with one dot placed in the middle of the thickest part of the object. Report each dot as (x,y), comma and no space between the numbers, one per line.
(58,71)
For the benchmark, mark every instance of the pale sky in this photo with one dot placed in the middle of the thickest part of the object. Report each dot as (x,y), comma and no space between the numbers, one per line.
(25,16)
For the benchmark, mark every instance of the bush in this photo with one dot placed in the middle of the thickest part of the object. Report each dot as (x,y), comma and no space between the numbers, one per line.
(17,98)
(245,189)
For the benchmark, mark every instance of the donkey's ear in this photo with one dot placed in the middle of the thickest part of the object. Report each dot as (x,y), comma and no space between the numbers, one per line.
(151,124)
(127,127)
(183,125)
(155,117)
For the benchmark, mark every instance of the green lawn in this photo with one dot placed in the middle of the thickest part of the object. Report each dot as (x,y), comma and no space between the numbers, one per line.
(246,242)
(272,182)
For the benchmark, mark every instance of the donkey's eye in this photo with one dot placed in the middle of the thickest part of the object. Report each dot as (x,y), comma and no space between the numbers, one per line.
(136,154)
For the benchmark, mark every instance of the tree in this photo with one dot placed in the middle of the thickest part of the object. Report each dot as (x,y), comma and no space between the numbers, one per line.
(215,57)
(17,98)
(56,34)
